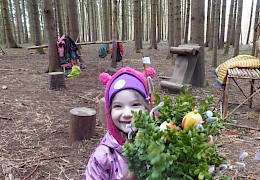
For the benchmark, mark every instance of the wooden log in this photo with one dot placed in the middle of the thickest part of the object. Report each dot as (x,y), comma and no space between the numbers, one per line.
(174,87)
(37,47)
(182,50)
(194,46)
(56,81)
(102,111)
(82,123)
(79,43)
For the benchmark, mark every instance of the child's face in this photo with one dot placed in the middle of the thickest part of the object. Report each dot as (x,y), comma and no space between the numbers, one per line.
(123,103)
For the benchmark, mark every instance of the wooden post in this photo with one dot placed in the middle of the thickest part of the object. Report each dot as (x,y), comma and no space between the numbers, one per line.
(56,80)
(102,111)
(82,123)
(225,98)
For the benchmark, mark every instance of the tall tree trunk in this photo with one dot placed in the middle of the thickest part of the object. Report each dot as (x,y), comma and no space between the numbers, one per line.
(153,24)
(250,22)
(59,13)
(208,25)
(137,25)
(106,20)
(123,20)
(233,33)
(54,63)
(18,20)
(255,27)
(197,37)
(230,21)
(10,38)
(170,26)
(238,27)
(223,20)
(73,19)
(114,54)
(83,19)
(187,22)
(110,19)
(177,22)
(215,37)
(36,26)
(159,26)
(147,21)
(26,38)
(212,17)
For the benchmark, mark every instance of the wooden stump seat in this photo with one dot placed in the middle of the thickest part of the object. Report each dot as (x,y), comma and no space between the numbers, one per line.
(82,123)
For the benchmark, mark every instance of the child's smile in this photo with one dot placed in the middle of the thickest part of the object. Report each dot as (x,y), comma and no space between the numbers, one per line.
(122,106)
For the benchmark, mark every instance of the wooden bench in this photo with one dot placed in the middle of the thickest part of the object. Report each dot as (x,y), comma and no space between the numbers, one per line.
(184,66)
(240,73)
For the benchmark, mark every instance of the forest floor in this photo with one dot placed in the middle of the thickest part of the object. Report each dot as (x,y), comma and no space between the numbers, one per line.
(34,126)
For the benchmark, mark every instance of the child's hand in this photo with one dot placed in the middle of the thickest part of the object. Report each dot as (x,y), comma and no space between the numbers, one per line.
(130,176)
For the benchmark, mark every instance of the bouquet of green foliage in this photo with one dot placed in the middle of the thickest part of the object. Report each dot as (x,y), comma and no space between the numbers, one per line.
(170,145)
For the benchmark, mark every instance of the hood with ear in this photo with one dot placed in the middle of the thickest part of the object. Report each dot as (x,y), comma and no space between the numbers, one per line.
(125,78)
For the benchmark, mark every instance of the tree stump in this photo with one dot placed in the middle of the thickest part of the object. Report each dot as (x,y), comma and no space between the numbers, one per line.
(56,80)
(82,123)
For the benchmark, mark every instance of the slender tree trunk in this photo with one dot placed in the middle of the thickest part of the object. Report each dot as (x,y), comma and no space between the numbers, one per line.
(153,24)
(36,26)
(233,33)
(177,22)
(255,27)
(170,26)
(137,24)
(230,20)
(213,6)
(208,25)
(223,20)
(10,38)
(187,22)
(159,27)
(216,38)
(26,38)
(250,22)
(123,20)
(18,20)
(59,13)
(113,62)
(238,27)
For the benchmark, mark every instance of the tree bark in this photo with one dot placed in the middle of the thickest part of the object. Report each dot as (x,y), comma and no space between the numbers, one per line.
(250,22)
(153,24)
(223,20)
(137,25)
(238,28)
(197,37)
(54,63)
(216,33)
(10,38)
(255,27)
(36,26)
(230,20)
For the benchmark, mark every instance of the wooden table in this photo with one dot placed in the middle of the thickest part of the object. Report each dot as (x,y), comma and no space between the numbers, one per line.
(240,73)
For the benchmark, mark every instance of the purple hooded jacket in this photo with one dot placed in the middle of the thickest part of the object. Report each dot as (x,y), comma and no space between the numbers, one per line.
(107,161)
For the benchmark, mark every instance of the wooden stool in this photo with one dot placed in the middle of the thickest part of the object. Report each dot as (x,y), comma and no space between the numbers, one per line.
(82,123)
(240,73)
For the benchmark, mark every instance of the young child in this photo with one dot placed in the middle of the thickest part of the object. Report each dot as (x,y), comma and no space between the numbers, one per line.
(125,91)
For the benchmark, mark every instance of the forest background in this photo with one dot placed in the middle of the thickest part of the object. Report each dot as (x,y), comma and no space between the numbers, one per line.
(34,120)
